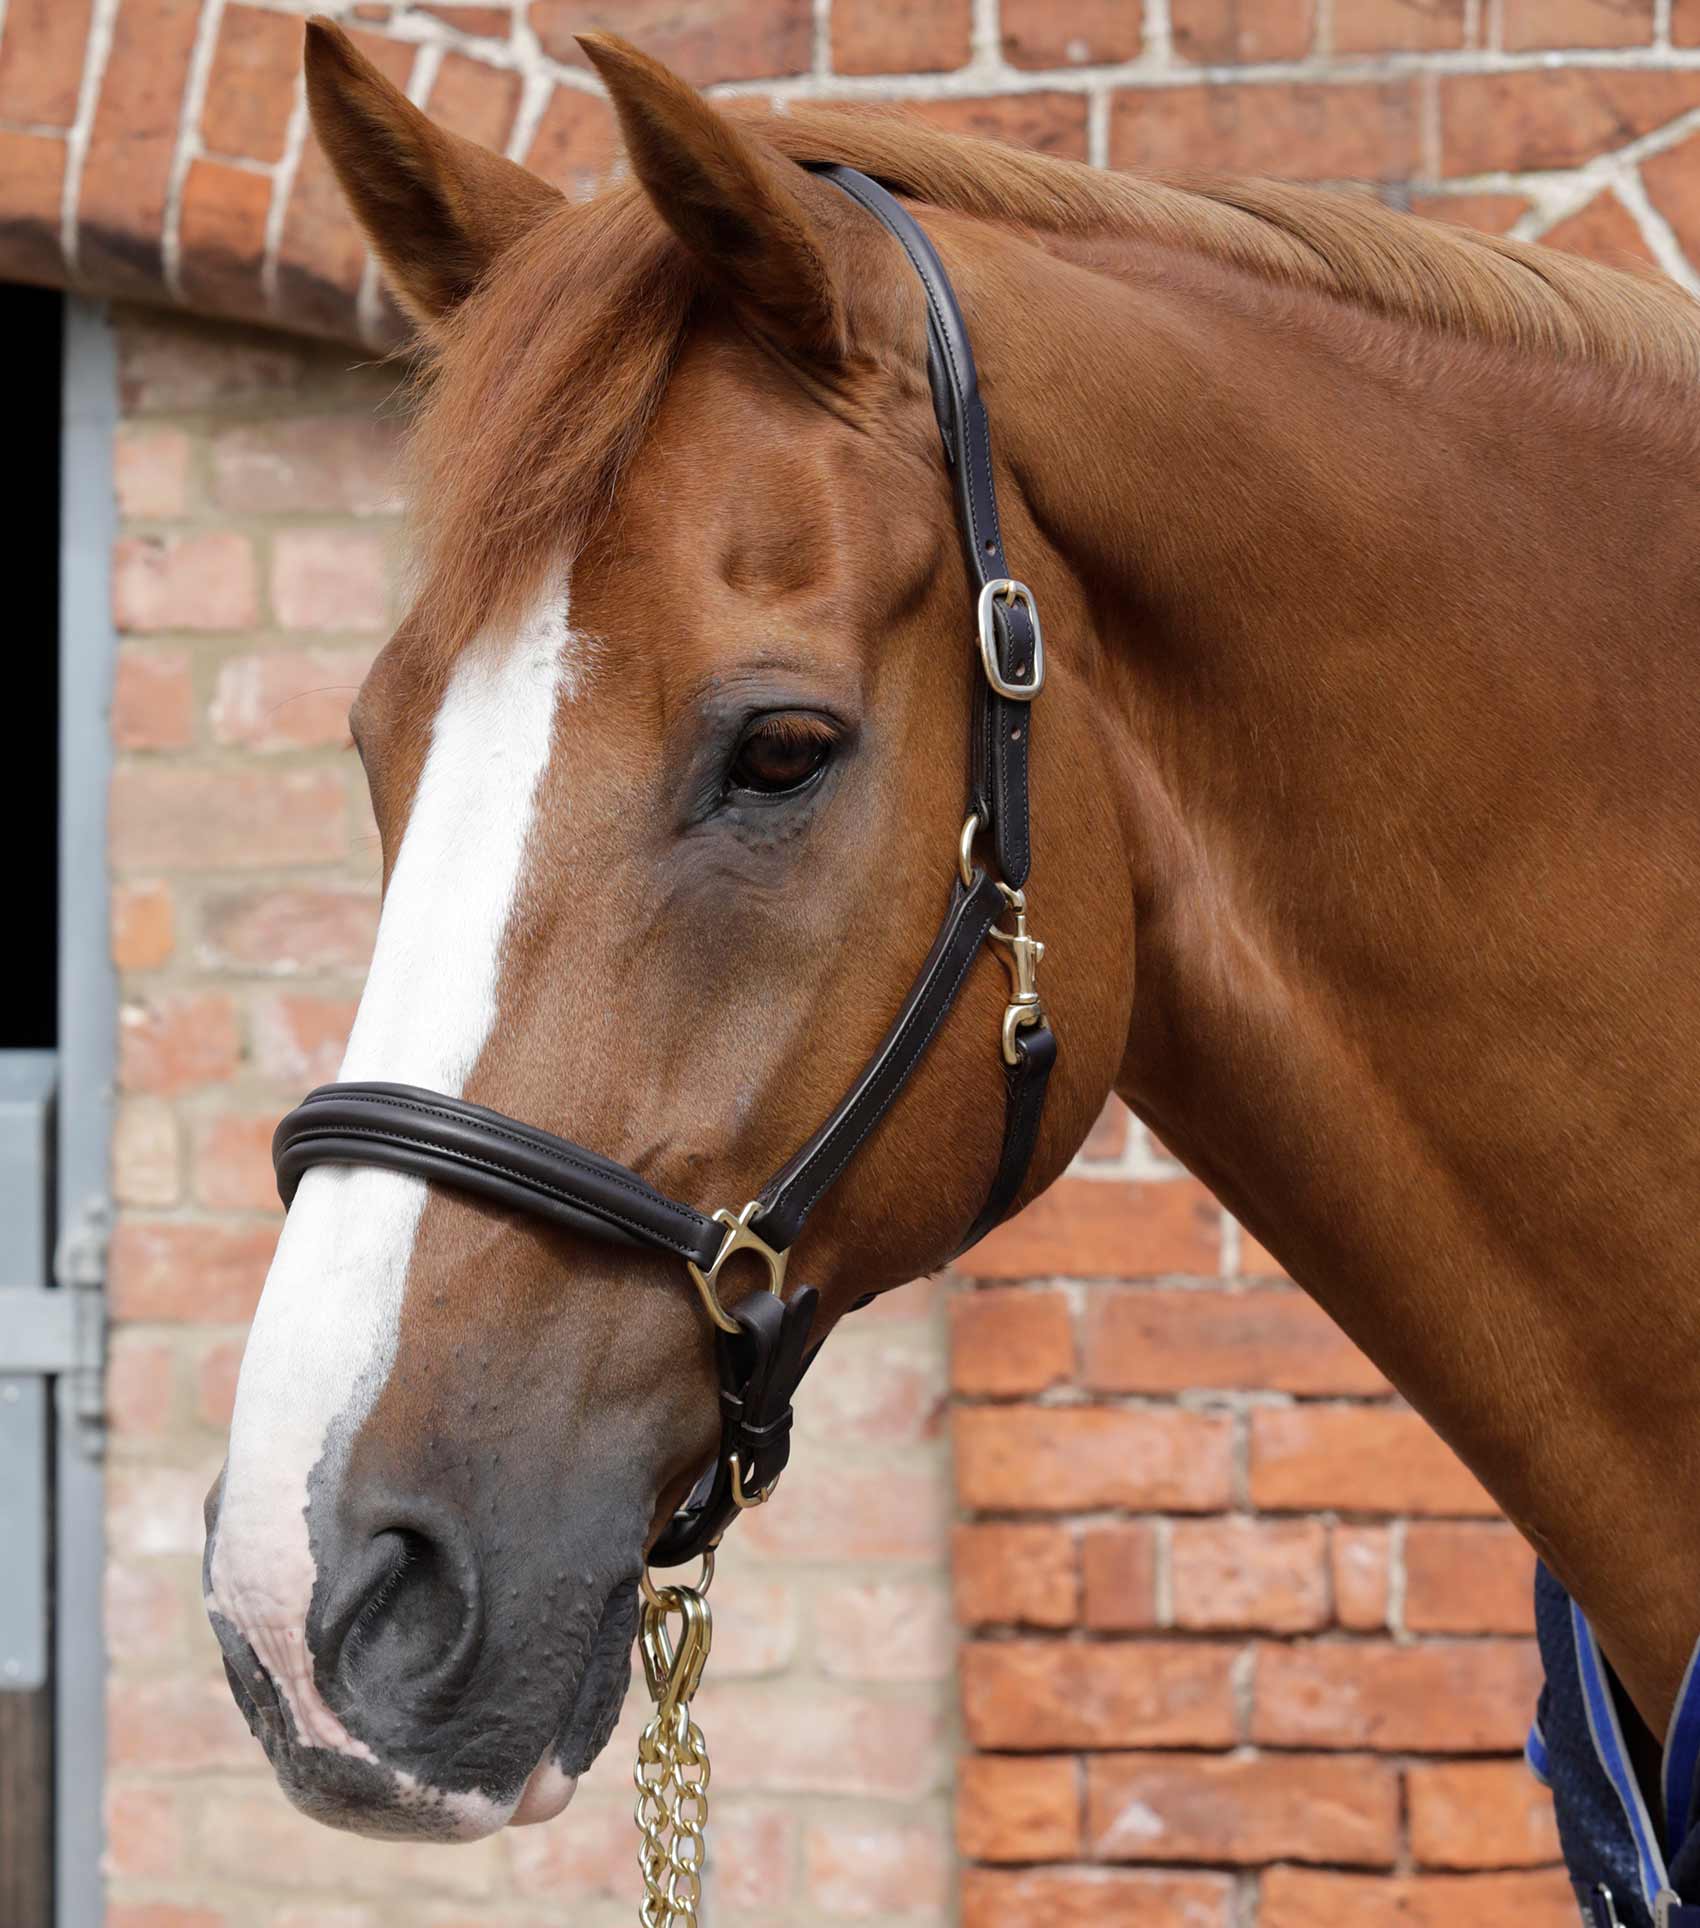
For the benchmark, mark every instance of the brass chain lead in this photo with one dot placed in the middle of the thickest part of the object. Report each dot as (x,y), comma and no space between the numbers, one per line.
(672,1771)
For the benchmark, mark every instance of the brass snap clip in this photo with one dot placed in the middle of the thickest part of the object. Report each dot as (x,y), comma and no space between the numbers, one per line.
(1022,953)
(739,1238)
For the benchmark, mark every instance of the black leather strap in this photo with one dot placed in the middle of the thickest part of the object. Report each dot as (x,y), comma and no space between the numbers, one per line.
(1025,1082)
(1002,731)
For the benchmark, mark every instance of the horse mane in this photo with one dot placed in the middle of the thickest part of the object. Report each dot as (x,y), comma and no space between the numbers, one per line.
(539,388)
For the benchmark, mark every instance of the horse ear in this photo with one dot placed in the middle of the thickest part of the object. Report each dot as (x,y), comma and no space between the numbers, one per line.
(736,203)
(437,209)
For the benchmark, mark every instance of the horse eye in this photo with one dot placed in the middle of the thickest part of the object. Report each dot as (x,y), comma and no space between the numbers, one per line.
(780,756)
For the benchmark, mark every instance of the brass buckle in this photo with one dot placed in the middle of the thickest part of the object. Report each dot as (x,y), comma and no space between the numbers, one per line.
(1023,955)
(1010,591)
(739,1238)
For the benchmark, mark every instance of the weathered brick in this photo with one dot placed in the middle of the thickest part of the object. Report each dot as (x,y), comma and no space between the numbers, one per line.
(487,23)
(233,1162)
(1220,33)
(1304,130)
(175,1723)
(1362,1459)
(1479,1814)
(882,1390)
(475,100)
(150,470)
(160,1617)
(755,1625)
(1238,1573)
(1604,230)
(1685,23)
(1298,1898)
(1094,1898)
(145,1167)
(1242,1809)
(287,932)
(204,580)
(299,1038)
(1492,213)
(195,365)
(1550,117)
(326,579)
(1016,1576)
(1040,1459)
(32,179)
(248,1836)
(287,699)
(170,1270)
(1140,1340)
(153,700)
(575,142)
(836,1510)
(855,1869)
(144,1827)
(1360,1568)
(1105,1228)
(1468,1579)
(1018,1808)
(152,1511)
(189,819)
(1008,1342)
(829,1741)
(42,50)
(1107,1140)
(1453,1697)
(889,37)
(1039,35)
(177,1042)
(143,926)
(884,1630)
(1032,1695)
(1054,123)
(1577,23)
(164,1914)
(1118,1562)
(253,86)
(714,40)
(121,206)
(141,1382)
(221,237)
(215,1382)
(1398,26)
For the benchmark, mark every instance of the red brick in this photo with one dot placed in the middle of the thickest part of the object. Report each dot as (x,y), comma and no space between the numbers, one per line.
(1605,231)
(755,1626)
(215,1382)
(575,142)
(1094,1898)
(856,1869)
(143,926)
(1479,1814)
(1685,23)
(177,1042)
(155,1511)
(32,178)
(1359,1559)
(892,37)
(150,470)
(714,40)
(1174,1341)
(884,1630)
(144,1153)
(121,208)
(1037,34)
(140,1387)
(153,700)
(289,931)
(1018,1808)
(1033,1695)
(1468,1579)
(41,61)
(832,1740)
(186,364)
(1232,1574)
(881,1391)
(326,579)
(163,1914)
(1454,1697)
(485,23)
(1007,1341)
(1119,1565)
(1107,1140)
(1293,1898)
(1039,1459)
(144,1832)
(167,819)
(1360,1459)
(1397,26)
(166,1270)
(250,1837)
(252,89)
(1015,1576)
(1577,23)
(287,699)
(158,1615)
(1105,1228)
(475,100)
(299,1038)
(221,237)
(1492,213)
(1221,33)
(839,1511)
(1551,117)
(1051,123)
(200,581)
(1672,181)
(1337,130)
(1242,1810)
(233,1162)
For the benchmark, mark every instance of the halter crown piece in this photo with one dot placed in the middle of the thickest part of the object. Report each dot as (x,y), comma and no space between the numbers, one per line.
(761,1343)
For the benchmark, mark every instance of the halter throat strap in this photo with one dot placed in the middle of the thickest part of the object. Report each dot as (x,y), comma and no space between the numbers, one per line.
(762,1342)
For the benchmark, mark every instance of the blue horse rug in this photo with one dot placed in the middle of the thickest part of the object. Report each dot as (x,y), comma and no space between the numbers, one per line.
(1632,1867)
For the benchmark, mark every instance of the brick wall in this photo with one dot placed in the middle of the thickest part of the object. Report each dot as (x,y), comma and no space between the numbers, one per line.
(1238,1641)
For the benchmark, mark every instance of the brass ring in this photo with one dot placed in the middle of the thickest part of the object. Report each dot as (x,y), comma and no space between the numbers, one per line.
(965,848)
(665,1599)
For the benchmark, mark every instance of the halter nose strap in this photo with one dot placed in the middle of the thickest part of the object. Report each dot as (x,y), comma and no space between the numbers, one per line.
(761,1343)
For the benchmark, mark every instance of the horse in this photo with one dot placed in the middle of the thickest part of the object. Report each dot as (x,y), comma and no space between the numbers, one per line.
(1365,852)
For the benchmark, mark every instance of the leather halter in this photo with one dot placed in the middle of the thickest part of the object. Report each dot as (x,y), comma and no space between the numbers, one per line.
(762,1343)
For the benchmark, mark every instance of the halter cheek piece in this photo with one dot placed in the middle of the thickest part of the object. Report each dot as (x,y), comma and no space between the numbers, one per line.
(762,1343)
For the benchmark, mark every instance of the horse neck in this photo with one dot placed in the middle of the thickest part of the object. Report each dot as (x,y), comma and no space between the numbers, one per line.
(1408,749)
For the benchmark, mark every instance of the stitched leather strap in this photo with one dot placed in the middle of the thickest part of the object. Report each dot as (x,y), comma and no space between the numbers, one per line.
(1003,729)
(1025,1082)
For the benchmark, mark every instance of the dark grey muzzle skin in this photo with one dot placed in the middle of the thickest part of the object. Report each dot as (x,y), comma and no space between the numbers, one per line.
(459,1629)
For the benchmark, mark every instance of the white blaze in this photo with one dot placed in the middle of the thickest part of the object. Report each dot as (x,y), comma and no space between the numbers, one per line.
(324,1338)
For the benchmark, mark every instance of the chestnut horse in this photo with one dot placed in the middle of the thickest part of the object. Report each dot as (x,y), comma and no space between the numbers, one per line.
(1366,835)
